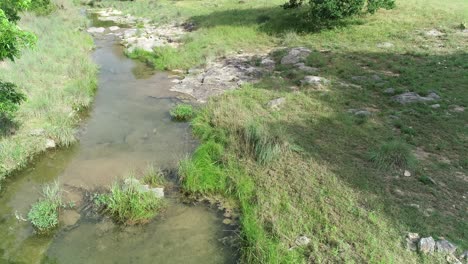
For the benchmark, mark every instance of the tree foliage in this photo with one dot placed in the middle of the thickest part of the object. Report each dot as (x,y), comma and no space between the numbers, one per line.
(338,9)
(10,98)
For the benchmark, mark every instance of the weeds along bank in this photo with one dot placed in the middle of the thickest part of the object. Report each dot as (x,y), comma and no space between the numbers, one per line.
(59,80)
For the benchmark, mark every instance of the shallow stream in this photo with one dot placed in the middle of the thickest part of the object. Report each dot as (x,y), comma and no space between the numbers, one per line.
(128,127)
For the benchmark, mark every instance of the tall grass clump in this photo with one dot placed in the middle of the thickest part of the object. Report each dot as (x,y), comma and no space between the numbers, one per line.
(264,146)
(44,214)
(203,173)
(394,154)
(182,112)
(154,176)
(130,203)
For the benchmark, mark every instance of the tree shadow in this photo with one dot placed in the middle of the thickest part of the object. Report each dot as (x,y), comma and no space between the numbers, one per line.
(342,142)
(8,127)
(271,20)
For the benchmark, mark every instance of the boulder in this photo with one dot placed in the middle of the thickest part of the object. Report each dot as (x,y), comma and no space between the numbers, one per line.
(295,55)
(435,106)
(444,246)
(268,63)
(426,245)
(412,97)
(114,28)
(307,69)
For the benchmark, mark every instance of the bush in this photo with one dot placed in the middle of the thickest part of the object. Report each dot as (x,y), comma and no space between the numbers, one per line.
(182,112)
(10,99)
(394,154)
(45,213)
(130,203)
(338,9)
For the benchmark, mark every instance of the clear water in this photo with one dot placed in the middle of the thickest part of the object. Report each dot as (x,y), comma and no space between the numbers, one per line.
(128,128)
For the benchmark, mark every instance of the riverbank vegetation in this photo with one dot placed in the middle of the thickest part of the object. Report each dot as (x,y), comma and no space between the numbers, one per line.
(182,112)
(354,184)
(58,79)
(44,214)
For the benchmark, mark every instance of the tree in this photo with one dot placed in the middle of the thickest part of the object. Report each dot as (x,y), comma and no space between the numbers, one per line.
(338,9)
(12,40)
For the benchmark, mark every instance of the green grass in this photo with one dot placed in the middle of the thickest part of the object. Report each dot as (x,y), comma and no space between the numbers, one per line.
(59,80)
(393,154)
(128,203)
(44,214)
(182,112)
(154,177)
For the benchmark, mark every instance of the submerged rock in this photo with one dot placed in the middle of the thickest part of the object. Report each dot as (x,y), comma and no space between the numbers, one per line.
(412,97)
(295,55)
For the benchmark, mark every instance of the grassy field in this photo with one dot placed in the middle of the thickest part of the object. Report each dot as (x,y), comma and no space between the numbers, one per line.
(312,168)
(59,80)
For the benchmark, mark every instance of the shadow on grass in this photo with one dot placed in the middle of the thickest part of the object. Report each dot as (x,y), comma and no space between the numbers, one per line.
(342,143)
(272,20)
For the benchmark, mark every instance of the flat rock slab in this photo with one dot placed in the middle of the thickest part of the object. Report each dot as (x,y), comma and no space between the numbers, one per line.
(94,30)
(295,55)
(411,97)
(218,77)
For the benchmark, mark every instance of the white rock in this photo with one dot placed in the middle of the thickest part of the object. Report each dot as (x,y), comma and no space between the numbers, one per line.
(426,245)
(50,144)
(435,106)
(295,55)
(302,241)
(407,173)
(385,45)
(276,103)
(96,30)
(114,28)
(314,80)
(159,192)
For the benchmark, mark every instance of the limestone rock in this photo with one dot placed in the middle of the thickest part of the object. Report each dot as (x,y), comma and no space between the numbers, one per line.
(412,241)
(268,63)
(37,132)
(295,55)
(302,241)
(159,192)
(314,80)
(434,33)
(360,112)
(389,91)
(435,106)
(444,246)
(276,103)
(426,245)
(407,173)
(412,97)
(93,30)
(307,69)
(385,45)
(114,28)
(50,144)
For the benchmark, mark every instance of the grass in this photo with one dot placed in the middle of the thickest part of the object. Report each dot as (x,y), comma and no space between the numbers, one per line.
(154,177)
(129,203)
(182,112)
(58,79)
(393,154)
(44,214)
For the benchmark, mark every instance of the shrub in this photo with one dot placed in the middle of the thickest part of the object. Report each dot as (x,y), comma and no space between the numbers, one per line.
(130,203)
(12,38)
(393,154)
(10,99)
(44,214)
(182,112)
(338,9)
